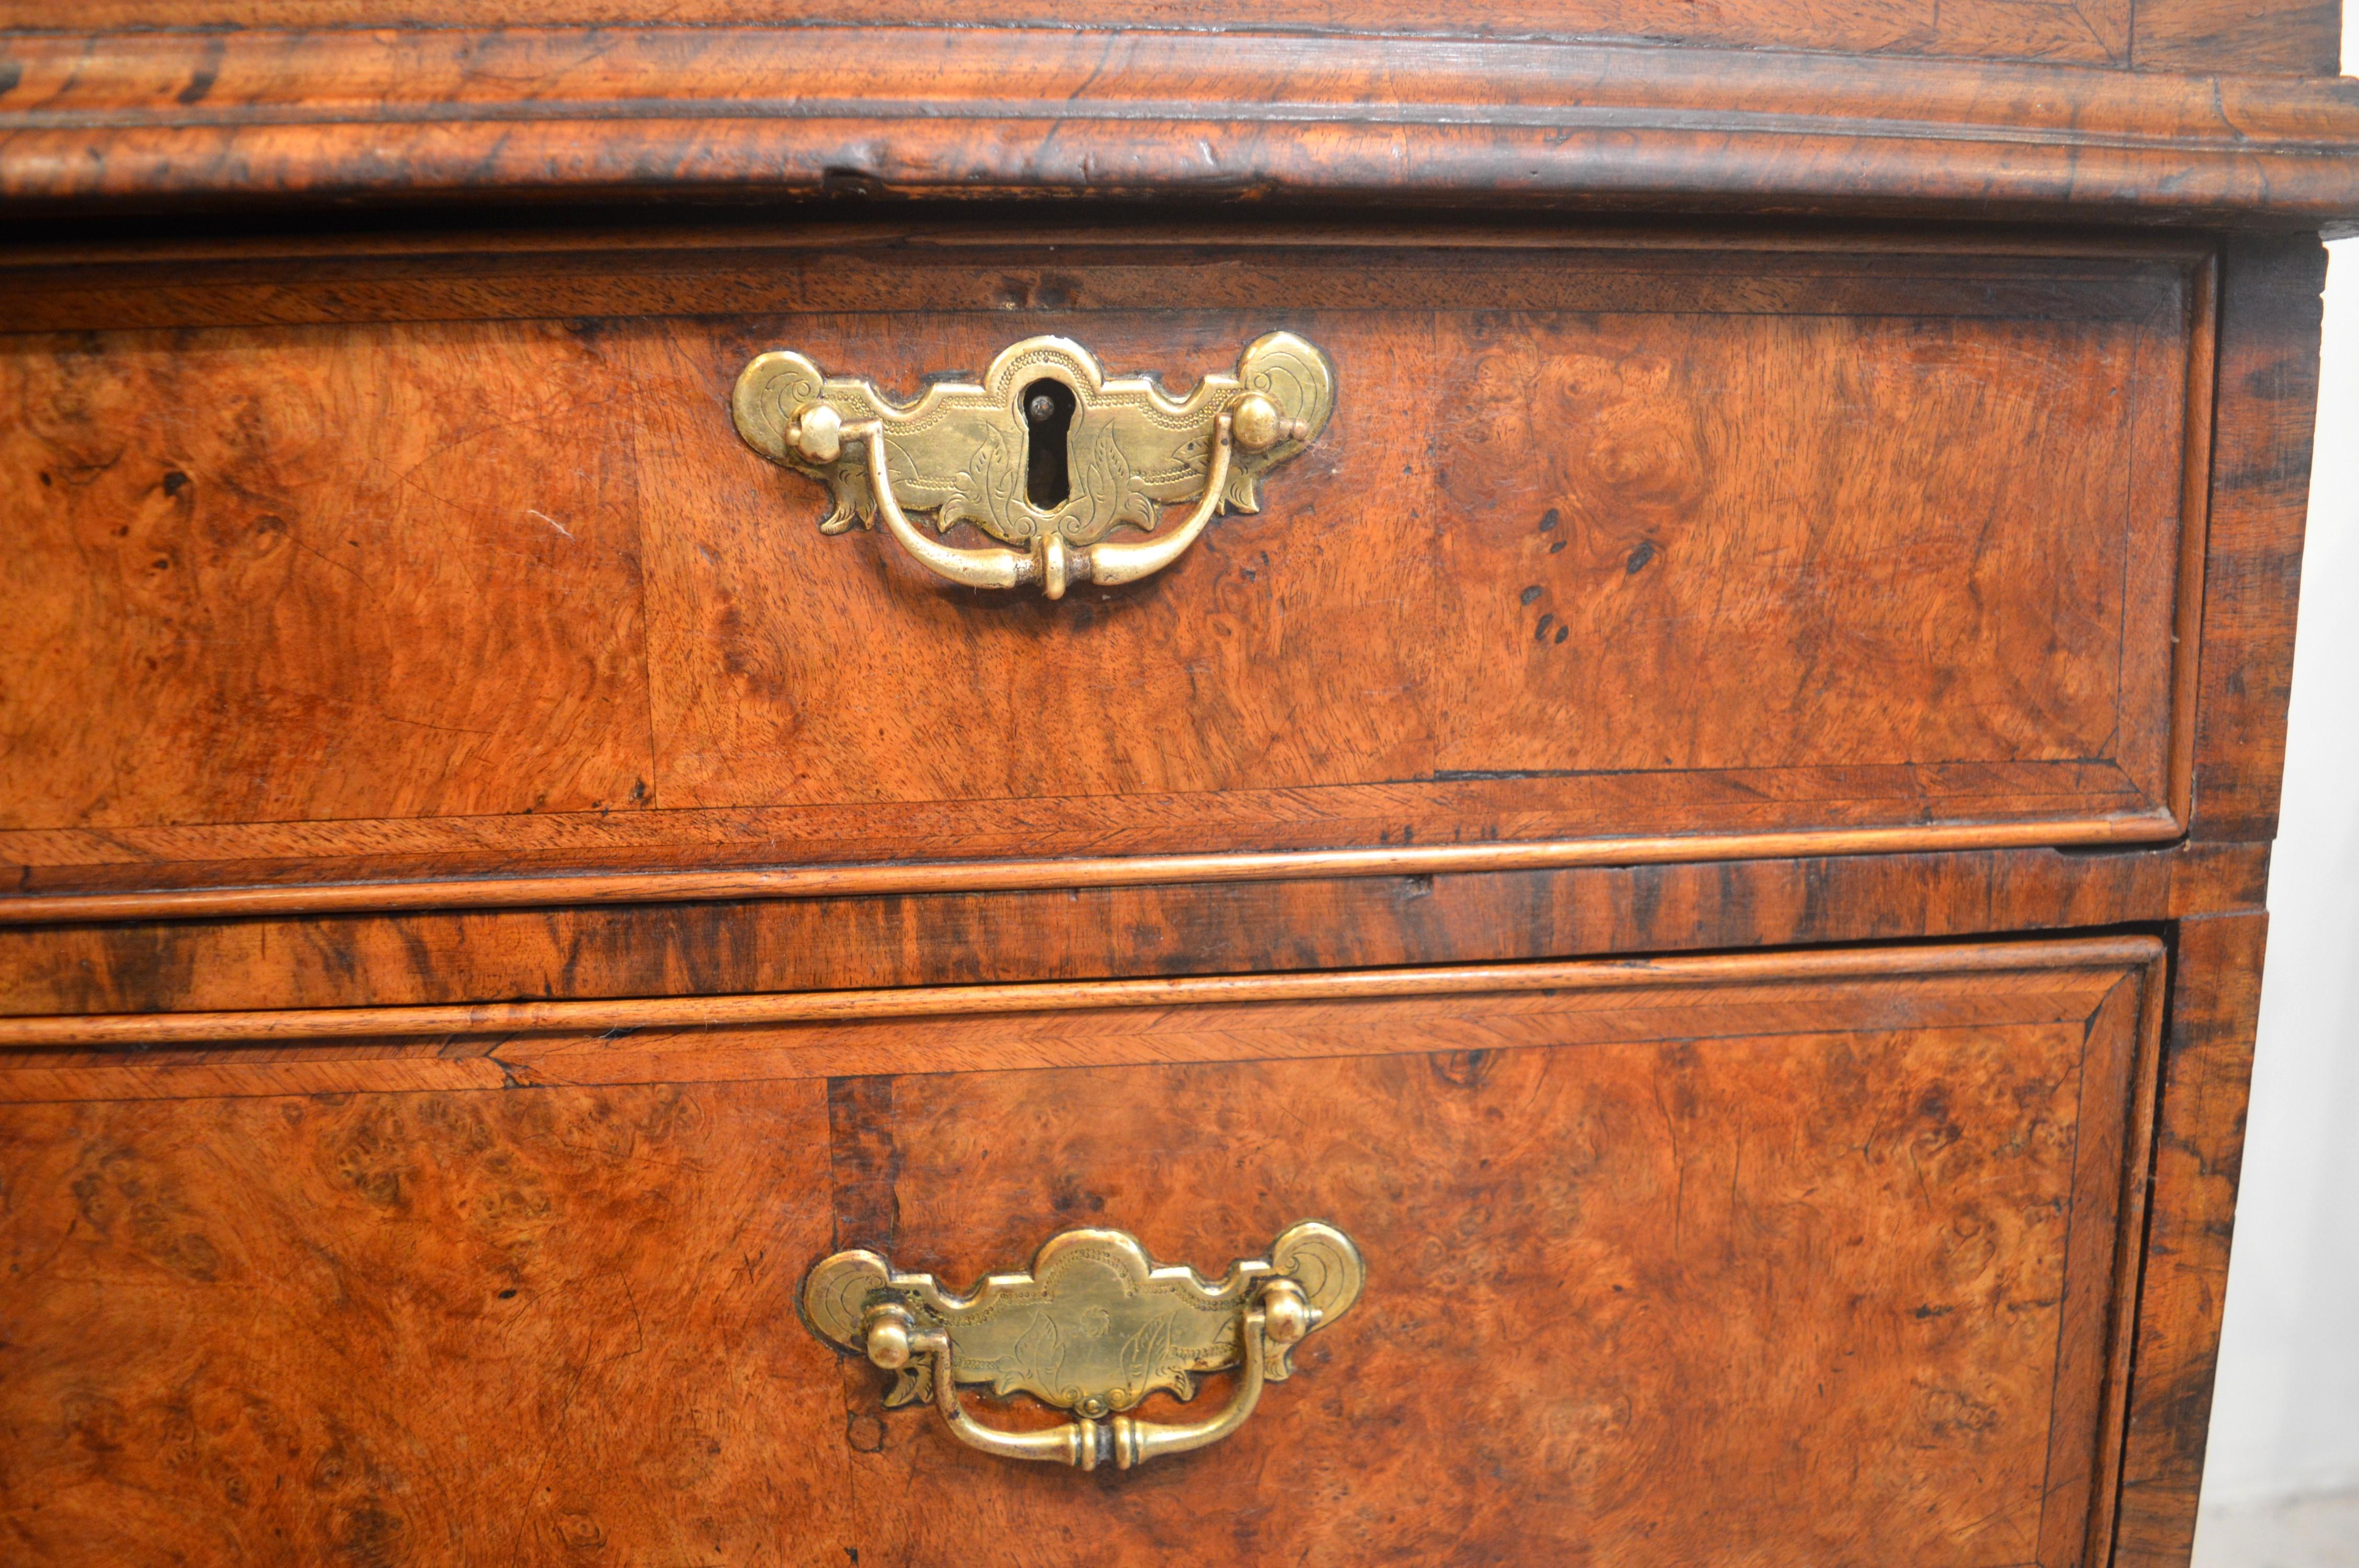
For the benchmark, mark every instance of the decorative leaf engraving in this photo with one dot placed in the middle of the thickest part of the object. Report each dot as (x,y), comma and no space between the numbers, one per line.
(959,450)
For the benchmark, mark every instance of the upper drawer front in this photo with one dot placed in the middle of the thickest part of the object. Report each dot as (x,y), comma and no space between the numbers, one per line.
(457,562)
(1782,1259)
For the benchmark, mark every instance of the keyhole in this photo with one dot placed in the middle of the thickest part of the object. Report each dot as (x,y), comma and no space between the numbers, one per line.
(1048,420)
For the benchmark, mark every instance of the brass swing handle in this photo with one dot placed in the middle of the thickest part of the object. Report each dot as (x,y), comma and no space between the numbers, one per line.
(1281,1319)
(1093,1328)
(1045,454)
(1050,562)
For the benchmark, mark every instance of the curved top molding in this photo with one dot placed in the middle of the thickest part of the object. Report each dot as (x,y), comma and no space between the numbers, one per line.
(100,121)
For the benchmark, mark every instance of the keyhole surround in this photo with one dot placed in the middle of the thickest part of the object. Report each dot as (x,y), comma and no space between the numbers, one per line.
(1049,408)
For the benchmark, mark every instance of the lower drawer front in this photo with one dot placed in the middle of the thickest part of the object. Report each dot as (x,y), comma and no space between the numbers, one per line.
(1809,1259)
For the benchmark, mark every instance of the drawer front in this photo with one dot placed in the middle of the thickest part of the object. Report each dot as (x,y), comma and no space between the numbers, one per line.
(1811,1258)
(448,565)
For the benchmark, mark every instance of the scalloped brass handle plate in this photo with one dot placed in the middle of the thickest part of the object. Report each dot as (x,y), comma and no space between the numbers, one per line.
(963,452)
(1093,1328)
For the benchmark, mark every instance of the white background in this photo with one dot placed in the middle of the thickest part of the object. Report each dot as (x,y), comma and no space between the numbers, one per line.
(2286,1417)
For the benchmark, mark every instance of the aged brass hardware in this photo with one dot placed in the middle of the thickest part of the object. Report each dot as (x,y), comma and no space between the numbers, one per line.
(1115,453)
(1093,1328)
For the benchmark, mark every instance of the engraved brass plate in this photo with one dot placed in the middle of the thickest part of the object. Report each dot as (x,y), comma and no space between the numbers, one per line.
(962,451)
(1094,1326)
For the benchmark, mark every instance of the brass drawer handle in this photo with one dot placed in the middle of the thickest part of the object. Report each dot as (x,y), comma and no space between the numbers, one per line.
(1093,1328)
(1045,454)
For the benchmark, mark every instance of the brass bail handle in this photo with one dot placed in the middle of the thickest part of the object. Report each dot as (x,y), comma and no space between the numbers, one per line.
(1281,1318)
(1050,562)
(961,452)
(1093,1328)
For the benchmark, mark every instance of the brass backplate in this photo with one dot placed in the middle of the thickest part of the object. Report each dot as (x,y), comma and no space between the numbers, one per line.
(1095,1324)
(959,450)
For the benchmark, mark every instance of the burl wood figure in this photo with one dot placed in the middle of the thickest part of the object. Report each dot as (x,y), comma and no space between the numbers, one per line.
(1037,783)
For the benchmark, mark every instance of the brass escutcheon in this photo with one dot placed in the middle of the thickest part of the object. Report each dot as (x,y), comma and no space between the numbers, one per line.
(962,451)
(1093,1328)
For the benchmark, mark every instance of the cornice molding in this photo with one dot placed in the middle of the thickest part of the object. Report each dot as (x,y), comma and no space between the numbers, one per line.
(305,117)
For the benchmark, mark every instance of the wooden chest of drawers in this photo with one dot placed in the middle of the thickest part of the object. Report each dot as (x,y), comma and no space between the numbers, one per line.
(1594,895)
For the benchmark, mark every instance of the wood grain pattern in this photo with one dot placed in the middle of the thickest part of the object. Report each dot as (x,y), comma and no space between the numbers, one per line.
(2198,1152)
(2266,413)
(225,607)
(2299,37)
(764,944)
(407,1329)
(1898,1189)
(487,894)
(1696,1271)
(995,258)
(1647,583)
(278,887)
(2294,37)
(1710,467)
(632,1014)
(653,1041)
(462,114)
(2089,32)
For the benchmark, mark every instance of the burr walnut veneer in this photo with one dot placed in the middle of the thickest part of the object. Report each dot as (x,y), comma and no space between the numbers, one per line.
(1699,832)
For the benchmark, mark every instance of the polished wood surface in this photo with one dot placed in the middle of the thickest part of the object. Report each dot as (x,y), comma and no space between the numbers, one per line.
(1717,822)
(769,944)
(637,1013)
(278,887)
(2258,507)
(2199,1150)
(413,1329)
(831,1034)
(266,117)
(1660,472)
(2294,37)
(1901,1190)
